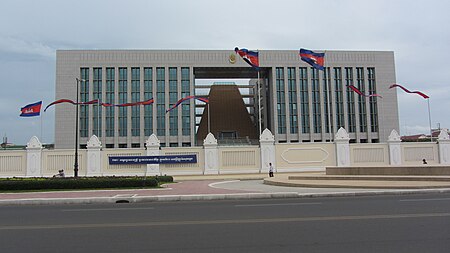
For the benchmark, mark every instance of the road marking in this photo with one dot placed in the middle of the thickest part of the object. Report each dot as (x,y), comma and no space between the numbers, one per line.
(418,200)
(284,204)
(218,222)
(213,185)
(107,209)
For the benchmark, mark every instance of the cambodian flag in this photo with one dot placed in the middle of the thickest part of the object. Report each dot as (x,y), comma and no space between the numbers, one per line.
(205,100)
(356,90)
(31,110)
(316,60)
(251,57)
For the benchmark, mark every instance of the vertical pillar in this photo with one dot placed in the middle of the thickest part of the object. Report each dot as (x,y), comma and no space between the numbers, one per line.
(211,155)
(342,140)
(267,149)
(94,157)
(34,157)
(153,145)
(395,152)
(444,147)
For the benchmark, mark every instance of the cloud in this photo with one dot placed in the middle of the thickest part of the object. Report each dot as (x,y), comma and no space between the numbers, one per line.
(15,48)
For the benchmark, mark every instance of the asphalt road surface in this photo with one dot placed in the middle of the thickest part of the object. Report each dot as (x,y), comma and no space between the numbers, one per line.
(408,223)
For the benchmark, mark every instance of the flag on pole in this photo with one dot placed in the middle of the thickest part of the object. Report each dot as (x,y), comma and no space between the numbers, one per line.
(317,60)
(31,110)
(251,57)
(408,91)
(184,99)
(356,90)
(59,101)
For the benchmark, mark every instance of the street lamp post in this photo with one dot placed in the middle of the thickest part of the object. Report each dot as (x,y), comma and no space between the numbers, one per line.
(75,165)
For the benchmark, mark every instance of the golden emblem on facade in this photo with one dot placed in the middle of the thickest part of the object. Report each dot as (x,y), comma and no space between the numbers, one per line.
(232,58)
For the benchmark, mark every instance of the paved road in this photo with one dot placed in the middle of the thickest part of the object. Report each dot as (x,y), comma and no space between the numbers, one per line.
(412,223)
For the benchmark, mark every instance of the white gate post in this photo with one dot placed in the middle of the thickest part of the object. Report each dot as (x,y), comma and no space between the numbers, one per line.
(153,145)
(211,155)
(267,149)
(342,140)
(444,147)
(34,157)
(395,152)
(94,158)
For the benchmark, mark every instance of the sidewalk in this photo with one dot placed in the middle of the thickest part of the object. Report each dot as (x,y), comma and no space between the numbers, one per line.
(201,187)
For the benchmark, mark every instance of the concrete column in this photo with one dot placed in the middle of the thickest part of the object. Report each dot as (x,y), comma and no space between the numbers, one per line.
(342,140)
(153,145)
(94,157)
(211,155)
(395,151)
(444,147)
(34,157)
(267,149)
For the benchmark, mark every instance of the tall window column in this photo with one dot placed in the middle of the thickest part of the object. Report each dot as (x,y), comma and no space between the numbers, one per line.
(123,88)
(97,94)
(293,113)
(109,111)
(160,102)
(304,100)
(84,97)
(373,100)
(173,98)
(148,94)
(315,91)
(281,103)
(185,107)
(135,97)
(350,101)
(339,98)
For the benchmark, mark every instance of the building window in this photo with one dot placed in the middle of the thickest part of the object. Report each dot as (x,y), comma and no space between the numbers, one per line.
(304,100)
(339,97)
(361,100)
(148,94)
(84,97)
(109,111)
(327,100)
(123,87)
(186,107)
(292,89)
(373,100)
(97,94)
(350,101)
(281,103)
(173,98)
(135,97)
(160,102)
(315,92)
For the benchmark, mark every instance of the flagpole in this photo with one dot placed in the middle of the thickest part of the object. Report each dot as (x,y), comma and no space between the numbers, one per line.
(41,137)
(429,119)
(98,117)
(259,104)
(328,84)
(209,120)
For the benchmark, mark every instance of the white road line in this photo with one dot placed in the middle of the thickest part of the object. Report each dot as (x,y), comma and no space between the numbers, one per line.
(106,209)
(284,204)
(213,185)
(418,200)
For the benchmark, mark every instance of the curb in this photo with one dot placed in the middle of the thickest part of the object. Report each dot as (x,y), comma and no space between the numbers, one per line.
(206,197)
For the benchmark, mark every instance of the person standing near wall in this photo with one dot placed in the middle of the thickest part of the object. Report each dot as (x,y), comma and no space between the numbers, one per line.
(270,170)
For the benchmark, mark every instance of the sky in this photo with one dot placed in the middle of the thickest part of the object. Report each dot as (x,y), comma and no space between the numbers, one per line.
(31,32)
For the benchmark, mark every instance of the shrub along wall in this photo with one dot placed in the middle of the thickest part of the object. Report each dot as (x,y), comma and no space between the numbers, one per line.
(15,184)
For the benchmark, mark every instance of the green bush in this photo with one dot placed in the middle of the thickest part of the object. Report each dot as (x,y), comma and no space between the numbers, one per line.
(15,184)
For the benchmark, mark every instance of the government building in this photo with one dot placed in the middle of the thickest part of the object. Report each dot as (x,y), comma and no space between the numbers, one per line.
(296,102)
